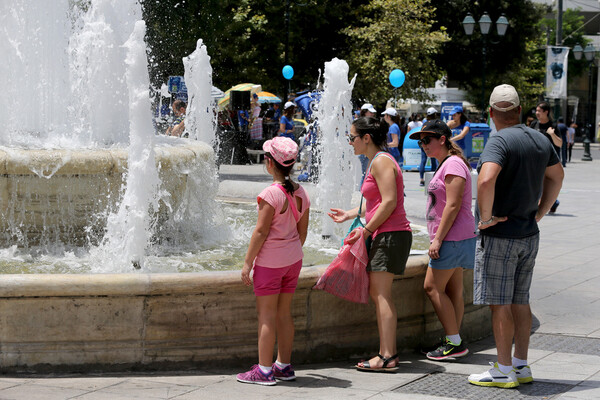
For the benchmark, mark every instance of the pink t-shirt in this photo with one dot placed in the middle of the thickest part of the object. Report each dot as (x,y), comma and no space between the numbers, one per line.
(397,220)
(464,224)
(282,246)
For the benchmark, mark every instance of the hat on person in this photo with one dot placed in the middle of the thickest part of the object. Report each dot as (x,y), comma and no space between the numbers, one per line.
(431,111)
(436,127)
(283,150)
(369,107)
(504,94)
(456,109)
(390,111)
(288,105)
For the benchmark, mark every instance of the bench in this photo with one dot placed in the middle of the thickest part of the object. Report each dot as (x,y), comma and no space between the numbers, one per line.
(256,153)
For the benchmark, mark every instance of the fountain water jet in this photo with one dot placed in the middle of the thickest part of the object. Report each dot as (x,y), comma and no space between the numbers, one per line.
(338,164)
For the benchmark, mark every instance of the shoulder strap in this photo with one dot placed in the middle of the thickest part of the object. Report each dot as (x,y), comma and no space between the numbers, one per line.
(291,202)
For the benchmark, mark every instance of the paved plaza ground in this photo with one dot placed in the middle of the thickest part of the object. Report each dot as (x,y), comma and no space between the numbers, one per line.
(565,344)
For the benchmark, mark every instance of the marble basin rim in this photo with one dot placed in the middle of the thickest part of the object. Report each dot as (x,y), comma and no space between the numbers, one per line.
(172,321)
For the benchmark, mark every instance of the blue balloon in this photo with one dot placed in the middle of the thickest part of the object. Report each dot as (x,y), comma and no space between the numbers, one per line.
(288,72)
(397,78)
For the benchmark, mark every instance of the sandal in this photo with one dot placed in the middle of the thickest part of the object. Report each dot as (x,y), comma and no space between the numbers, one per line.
(383,368)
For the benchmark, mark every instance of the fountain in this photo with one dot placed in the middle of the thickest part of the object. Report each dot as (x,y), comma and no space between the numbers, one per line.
(82,176)
(336,157)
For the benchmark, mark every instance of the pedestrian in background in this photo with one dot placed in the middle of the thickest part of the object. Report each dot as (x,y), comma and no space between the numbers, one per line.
(549,129)
(451,227)
(178,125)
(393,136)
(562,129)
(519,178)
(571,139)
(459,125)
(286,122)
(275,255)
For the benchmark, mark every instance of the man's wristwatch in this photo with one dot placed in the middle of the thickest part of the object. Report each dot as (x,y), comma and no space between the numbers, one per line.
(489,221)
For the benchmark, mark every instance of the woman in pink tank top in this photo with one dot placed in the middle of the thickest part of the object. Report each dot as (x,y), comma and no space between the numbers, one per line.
(383,190)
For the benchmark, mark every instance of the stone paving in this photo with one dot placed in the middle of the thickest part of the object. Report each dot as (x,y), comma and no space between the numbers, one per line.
(565,344)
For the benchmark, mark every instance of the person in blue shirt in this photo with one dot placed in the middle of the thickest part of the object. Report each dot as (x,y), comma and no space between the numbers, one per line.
(286,122)
(459,125)
(393,136)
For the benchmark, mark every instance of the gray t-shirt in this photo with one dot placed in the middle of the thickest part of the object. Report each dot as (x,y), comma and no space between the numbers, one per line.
(524,154)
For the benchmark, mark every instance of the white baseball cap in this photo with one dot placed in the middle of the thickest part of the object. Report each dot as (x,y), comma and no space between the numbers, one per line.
(390,111)
(369,107)
(431,111)
(504,94)
(288,105)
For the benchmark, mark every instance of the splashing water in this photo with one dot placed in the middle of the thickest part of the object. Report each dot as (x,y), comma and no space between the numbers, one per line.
(338,164)
(129,230)
(200,119)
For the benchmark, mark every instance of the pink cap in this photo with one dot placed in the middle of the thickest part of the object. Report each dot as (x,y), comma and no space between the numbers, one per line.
(283,150)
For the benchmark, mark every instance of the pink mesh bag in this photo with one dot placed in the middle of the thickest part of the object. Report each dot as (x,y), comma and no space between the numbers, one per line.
(347,277)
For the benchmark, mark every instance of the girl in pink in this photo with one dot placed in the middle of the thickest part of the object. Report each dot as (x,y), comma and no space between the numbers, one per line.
(451,227)
(275,254)
(383,190)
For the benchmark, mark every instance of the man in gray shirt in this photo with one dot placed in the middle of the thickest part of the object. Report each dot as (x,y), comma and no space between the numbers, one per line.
(517,168)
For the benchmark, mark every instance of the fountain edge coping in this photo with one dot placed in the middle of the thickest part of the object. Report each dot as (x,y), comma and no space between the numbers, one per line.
(153,284)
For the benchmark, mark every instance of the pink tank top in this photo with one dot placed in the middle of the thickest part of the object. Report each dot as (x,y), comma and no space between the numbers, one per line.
(397,221)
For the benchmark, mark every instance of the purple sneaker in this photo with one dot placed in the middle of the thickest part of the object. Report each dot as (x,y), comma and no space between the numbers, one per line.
(255,375)
(285,374)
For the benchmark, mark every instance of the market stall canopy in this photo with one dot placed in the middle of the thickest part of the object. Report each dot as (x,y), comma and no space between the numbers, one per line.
(251,87)
(266,97)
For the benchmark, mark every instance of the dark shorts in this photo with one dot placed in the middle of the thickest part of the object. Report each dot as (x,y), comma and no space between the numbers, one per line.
(503,269)
(455,254)
(268,281)
(389,252)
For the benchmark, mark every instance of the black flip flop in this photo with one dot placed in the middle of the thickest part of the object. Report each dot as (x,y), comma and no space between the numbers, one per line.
(384,367)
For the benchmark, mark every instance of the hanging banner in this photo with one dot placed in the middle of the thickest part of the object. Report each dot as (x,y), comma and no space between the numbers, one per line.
(556,72)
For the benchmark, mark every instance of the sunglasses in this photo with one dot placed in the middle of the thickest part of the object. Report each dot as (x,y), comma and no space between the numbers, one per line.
(425,140)
(352,138)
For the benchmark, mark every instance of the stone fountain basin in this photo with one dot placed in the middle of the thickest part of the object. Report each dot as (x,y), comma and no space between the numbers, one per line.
(172,321)
(64,195)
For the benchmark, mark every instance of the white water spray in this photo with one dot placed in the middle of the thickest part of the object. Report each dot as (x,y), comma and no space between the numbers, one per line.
(200,115)
(130,229)
(337,160)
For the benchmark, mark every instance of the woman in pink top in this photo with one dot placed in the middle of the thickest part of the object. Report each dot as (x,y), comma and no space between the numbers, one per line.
(383,190)
(275,254)
(451,227)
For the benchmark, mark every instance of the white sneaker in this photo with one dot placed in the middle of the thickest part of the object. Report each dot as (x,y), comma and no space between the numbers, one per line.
(523,374)
(494,377)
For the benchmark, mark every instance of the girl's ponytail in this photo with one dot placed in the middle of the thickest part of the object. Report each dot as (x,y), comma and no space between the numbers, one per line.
(285,171)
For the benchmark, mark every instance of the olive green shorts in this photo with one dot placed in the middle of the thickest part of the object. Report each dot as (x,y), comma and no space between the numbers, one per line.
(389,252)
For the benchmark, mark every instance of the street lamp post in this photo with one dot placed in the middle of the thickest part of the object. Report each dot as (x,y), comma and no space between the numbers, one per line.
(485,23)
(590,56)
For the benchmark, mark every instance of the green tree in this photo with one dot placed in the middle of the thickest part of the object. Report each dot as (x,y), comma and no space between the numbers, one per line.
(512,58)
(395,34)
(246,39)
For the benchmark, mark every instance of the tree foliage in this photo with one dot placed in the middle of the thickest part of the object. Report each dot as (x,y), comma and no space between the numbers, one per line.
(246,39)
(395,34)
(510,59)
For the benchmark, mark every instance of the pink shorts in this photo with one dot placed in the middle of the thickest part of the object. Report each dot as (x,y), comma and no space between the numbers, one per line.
(269,281)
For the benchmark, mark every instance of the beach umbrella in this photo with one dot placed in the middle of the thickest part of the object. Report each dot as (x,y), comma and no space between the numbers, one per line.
(251,87)
(266,97)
